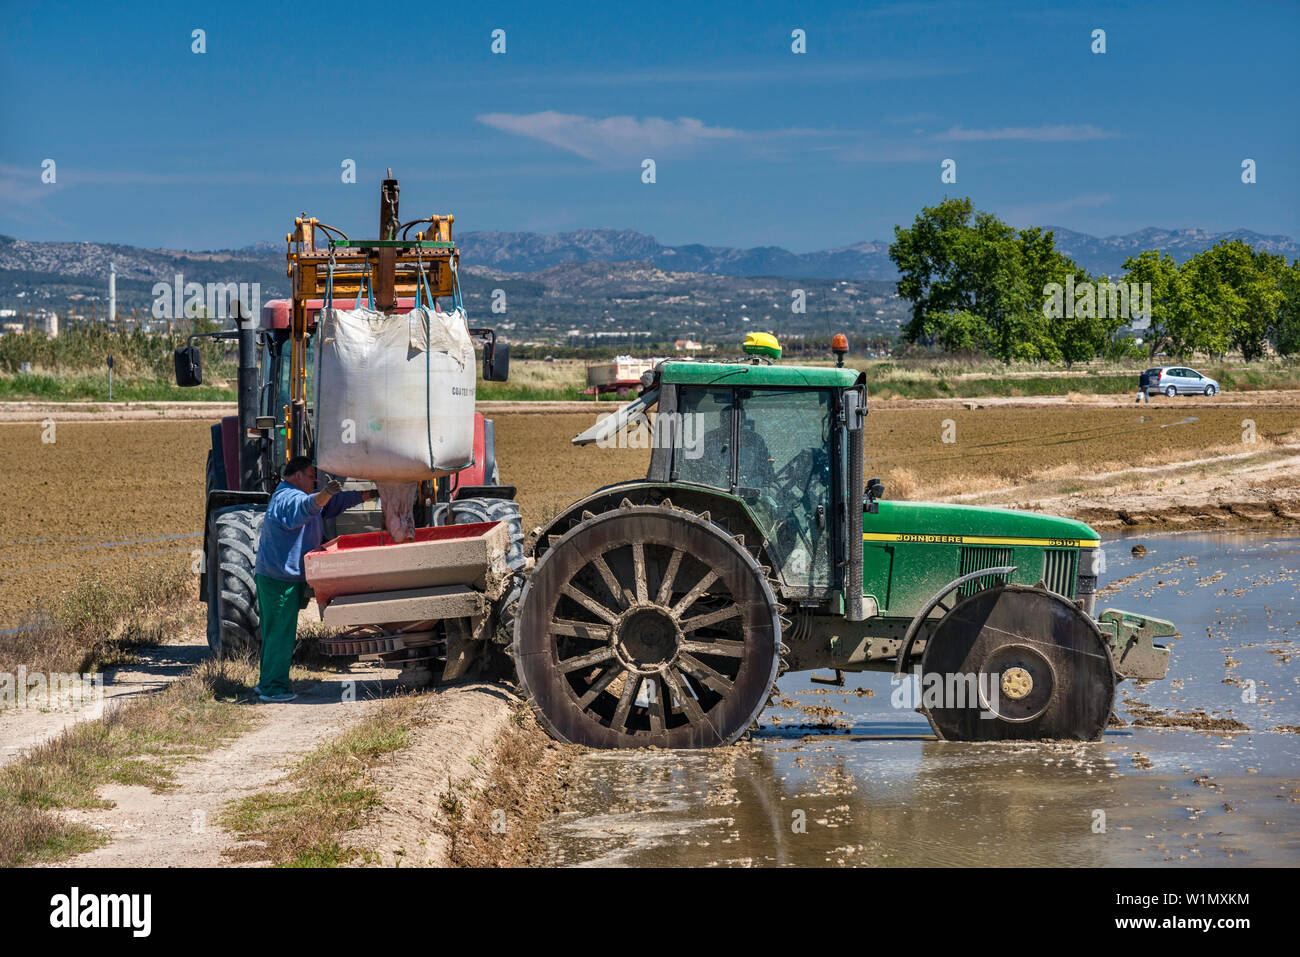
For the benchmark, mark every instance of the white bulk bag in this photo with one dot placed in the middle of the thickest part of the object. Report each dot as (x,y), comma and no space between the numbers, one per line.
(394,403)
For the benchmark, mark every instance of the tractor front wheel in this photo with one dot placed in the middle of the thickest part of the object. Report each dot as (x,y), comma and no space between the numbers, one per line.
(1017,663)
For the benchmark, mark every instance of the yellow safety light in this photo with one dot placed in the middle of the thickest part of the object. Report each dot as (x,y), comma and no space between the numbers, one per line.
(762,344)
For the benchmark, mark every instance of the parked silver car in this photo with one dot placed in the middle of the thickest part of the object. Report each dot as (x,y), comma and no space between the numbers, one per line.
(1176,380)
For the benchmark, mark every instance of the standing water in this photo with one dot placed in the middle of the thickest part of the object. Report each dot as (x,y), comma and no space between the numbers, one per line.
(1207,772)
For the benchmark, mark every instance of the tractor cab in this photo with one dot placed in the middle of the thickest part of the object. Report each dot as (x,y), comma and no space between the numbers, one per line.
(776,438)
(777,446)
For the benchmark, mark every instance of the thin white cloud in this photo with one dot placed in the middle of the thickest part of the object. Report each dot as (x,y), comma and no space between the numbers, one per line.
(22,186)
(1043,134)
(614,137)
(1035,214)
(784,76)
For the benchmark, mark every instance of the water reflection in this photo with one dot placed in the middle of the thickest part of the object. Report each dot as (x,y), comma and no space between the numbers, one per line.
(882,792)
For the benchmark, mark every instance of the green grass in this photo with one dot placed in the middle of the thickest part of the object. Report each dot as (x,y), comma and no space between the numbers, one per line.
(68,387)
(96,623)
(504,391)
(1249,379)
(328,794)
(534,381)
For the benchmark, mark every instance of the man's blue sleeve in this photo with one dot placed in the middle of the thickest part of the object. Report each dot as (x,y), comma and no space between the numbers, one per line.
(294,507)
(342,502)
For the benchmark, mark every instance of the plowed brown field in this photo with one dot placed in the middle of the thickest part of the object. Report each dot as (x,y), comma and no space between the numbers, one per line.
(113,499)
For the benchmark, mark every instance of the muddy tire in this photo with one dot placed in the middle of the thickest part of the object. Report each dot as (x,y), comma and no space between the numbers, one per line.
(469,510)
(1017,664)
(647,626)
(234,621)
(1171,392)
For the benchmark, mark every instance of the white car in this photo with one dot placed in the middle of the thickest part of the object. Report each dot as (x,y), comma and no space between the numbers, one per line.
(1176,380)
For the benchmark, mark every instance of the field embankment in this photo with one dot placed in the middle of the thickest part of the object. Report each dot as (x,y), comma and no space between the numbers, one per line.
(979,379)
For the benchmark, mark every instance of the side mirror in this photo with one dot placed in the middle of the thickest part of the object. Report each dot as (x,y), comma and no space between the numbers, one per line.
(496,362)
(854,413)
(189,366)
(875,489)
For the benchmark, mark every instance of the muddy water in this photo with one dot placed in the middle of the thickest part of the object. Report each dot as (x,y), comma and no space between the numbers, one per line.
(839,776)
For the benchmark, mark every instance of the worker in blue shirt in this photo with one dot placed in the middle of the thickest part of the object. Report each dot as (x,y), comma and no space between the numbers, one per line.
(292,528)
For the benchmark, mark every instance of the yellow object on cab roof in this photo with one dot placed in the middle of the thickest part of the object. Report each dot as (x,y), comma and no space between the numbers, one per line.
(762,344)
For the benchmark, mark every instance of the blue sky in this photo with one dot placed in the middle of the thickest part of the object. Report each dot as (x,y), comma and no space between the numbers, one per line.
(753,144)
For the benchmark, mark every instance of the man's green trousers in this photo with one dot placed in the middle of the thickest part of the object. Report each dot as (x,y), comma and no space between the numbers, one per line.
(278,602)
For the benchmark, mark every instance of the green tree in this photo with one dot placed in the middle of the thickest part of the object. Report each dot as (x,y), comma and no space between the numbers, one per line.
(1235,293)
(929,265)
(1170,330)
(974,283)
(1286,327)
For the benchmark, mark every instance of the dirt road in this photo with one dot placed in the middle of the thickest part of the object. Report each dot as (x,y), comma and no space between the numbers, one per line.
(452,752)
(113,411)
(176,827)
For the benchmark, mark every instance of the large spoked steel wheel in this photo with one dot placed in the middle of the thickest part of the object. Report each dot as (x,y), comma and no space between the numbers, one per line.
(1017,663)
(647,626)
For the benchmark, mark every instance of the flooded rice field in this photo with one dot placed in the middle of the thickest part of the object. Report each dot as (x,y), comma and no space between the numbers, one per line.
(1207,770)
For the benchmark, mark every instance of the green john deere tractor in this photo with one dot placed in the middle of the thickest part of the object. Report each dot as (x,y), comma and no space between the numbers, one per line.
(660,612)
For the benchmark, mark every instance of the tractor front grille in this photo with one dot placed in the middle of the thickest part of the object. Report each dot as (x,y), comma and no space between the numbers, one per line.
(975,557)
(1060,566)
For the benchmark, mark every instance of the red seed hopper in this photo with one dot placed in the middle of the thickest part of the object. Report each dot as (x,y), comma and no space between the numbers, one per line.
(373,562)
(411,602)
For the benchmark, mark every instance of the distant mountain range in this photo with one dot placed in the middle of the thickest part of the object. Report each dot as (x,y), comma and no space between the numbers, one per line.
(529,252)
(582,277)
(544,304)
(509,252)
(1107,255)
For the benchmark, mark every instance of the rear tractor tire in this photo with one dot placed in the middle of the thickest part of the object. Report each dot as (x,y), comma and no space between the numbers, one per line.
(469,510)
(647,626)
(1018,664)
(234,621)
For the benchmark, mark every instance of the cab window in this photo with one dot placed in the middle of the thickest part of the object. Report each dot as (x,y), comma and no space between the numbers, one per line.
(702,451)
(784,470)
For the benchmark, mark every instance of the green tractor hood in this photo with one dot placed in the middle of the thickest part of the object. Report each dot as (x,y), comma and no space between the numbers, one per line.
(938,523)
